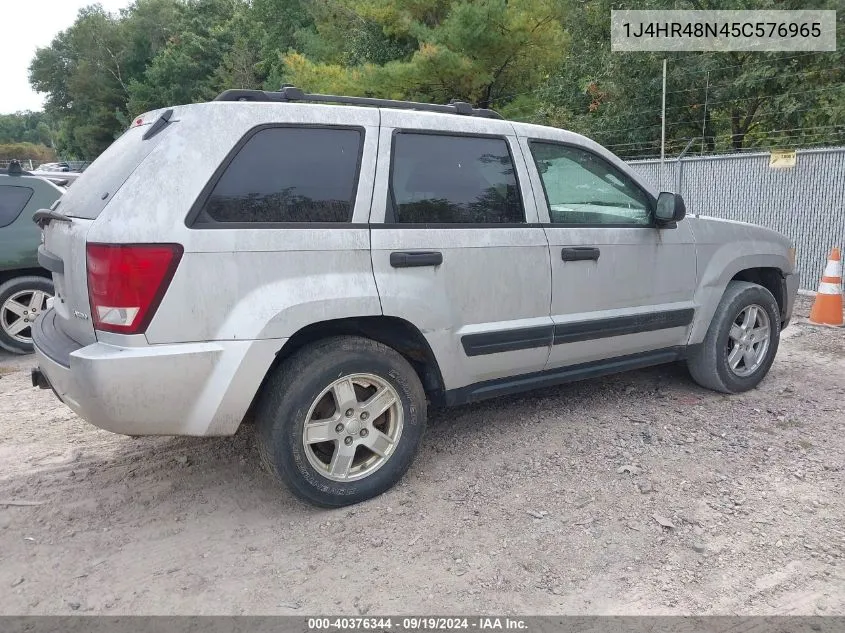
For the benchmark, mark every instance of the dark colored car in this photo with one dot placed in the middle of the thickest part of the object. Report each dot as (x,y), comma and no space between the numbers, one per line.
(24,285)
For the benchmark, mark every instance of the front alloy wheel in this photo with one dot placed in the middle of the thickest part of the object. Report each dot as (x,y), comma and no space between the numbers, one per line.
(748,340)
(741,340)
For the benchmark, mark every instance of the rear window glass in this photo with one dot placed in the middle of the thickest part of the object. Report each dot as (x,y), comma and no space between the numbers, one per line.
(289,174)
(438,178)
(13,199)
(97,185)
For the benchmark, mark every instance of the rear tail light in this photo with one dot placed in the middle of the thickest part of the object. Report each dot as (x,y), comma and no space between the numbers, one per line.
(126,283)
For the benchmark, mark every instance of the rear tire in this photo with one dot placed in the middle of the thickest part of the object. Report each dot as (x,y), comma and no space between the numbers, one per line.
(18,297)
(356,445)
(735,356)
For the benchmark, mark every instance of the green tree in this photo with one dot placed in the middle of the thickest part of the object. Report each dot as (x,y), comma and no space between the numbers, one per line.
(30,127)
(88,69)
(734,100)
(183,70)
(275,27)
(107,68)
(483,51)
(547,61)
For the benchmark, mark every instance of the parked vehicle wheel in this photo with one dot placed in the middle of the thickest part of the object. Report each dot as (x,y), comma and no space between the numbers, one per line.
(741,342)
(341,420)
(22,299)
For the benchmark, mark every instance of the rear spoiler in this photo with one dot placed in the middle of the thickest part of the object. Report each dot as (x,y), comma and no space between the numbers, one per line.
(160,123)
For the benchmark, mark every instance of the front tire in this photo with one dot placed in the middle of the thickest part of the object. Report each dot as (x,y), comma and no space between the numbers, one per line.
(341,420)
(741,342)
(22,299)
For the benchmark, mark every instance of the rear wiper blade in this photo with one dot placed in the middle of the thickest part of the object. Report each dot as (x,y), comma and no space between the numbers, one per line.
(43,217)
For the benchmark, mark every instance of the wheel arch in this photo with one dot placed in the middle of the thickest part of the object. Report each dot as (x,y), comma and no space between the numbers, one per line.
(772,279)
(8,275)
(394,332)
(766,270)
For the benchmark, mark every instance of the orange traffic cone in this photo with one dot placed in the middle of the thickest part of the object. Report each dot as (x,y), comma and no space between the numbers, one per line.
(827,309)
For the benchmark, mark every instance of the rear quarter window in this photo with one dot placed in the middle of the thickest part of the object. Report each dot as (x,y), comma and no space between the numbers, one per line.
(287,174)
(13,200)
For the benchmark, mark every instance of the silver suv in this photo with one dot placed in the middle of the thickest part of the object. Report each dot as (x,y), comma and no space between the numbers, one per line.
(329,266)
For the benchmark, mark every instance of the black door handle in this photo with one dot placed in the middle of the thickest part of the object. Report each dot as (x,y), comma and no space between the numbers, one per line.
(579,253)
(410,259)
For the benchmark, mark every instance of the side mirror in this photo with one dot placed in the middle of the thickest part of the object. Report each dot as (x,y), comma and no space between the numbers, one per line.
(670,209)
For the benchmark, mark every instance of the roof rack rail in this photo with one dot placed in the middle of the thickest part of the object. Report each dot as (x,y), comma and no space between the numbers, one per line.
(291,93)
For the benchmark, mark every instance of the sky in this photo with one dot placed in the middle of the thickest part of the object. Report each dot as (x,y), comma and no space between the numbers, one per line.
(25,26)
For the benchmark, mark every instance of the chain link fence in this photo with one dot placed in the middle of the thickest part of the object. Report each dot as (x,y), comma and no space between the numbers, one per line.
(805,202)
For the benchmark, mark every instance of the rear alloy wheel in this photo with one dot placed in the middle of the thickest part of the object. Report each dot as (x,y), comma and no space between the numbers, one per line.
(340,421)
(353,427)
(22,300)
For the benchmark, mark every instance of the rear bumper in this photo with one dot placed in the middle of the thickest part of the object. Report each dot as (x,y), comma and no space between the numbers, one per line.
(201,388)
(790,286)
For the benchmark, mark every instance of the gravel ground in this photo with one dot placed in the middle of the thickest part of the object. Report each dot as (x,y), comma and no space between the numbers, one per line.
(547,503)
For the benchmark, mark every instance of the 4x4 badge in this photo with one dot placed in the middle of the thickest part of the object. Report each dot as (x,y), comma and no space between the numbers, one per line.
(80,315)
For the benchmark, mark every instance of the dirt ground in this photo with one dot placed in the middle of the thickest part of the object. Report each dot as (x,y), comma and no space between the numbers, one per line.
(537,504)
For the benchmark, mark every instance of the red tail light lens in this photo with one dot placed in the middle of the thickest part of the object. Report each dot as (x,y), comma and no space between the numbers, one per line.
(126,283)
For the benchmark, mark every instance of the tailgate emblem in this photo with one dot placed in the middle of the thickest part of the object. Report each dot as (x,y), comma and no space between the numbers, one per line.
(80,315)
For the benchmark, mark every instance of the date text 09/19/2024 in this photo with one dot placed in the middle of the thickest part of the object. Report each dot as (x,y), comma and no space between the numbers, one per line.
(423,623)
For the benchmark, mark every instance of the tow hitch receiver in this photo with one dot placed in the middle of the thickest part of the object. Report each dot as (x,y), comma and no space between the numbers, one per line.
(39,379)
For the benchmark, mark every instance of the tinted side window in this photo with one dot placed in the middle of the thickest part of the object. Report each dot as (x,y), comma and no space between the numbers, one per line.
(453,179)
(289,175)
(582,188)
(12,201)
